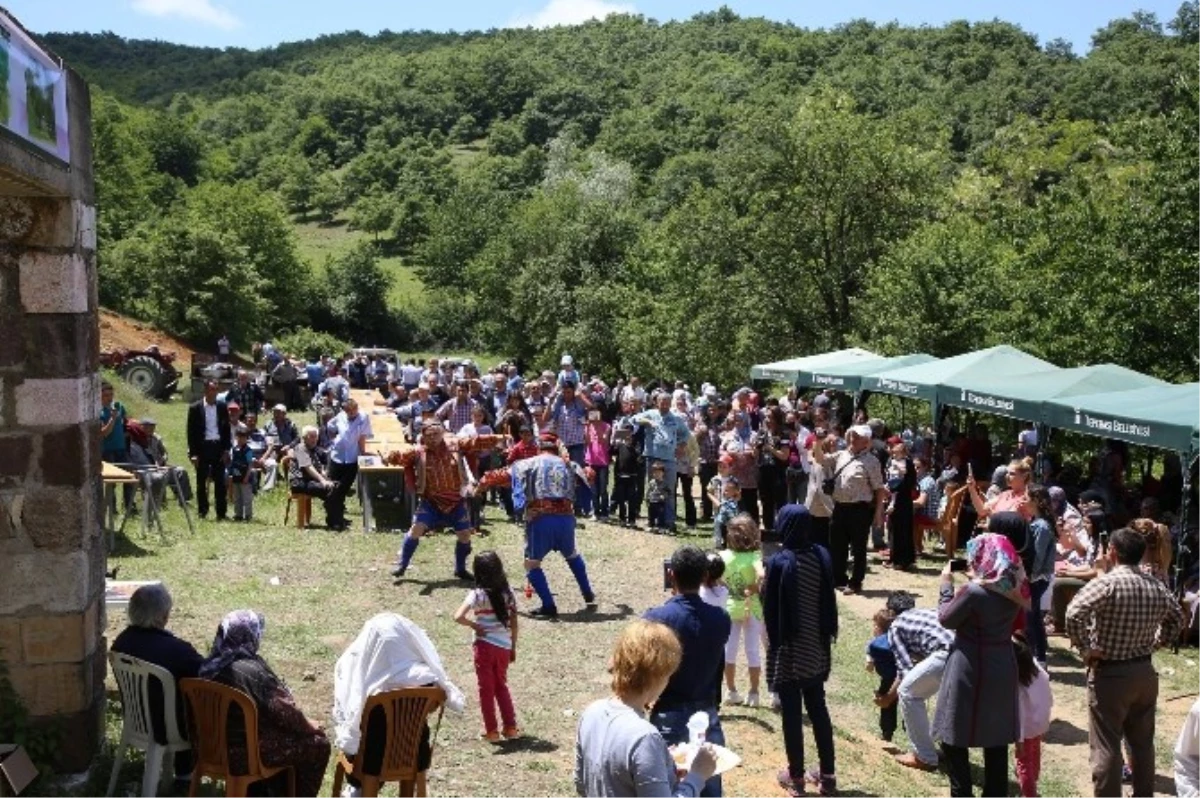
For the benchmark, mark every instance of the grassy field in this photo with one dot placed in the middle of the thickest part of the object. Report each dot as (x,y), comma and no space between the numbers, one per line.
(317,242)
(329,584)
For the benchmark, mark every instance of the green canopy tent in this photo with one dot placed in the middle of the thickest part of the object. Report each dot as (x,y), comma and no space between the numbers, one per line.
(847,376)
(1161,416)
(789,370)
(1022,395)
(923,381)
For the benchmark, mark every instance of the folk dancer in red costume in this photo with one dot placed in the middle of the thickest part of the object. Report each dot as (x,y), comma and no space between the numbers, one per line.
(443,481)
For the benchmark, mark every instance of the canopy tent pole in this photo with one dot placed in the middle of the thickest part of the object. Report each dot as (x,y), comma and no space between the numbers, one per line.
(1043,439)
(1181,544)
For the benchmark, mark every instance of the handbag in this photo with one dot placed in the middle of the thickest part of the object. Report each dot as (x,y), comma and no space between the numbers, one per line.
(828,483)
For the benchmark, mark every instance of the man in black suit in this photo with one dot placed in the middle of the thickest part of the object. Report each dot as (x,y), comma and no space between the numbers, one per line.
(209,442)
(147,639)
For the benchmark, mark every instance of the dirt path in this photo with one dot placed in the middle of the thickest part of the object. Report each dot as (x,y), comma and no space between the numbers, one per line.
(1065,746)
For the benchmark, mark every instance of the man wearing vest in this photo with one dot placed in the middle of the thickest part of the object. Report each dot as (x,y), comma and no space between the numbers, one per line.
(545,487)
(442,479)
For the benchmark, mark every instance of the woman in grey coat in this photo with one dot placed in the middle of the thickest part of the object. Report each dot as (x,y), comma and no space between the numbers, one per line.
(977,700)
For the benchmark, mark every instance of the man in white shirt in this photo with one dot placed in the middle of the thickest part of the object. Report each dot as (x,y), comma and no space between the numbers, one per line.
(348,431)
(634,392)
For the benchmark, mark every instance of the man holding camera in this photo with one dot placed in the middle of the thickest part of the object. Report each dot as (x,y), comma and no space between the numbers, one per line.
(860,495)
(702,630)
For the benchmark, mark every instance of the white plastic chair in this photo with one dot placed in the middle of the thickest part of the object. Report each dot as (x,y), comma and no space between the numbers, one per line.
(133,679)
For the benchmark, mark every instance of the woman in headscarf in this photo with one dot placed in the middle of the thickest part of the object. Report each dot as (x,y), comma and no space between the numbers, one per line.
(389,653)
(285,736)
(800,612)
(1015,528)
(977,700)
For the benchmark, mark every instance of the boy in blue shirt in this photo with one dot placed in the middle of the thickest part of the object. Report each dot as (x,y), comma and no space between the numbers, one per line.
(241,466)
(882,661)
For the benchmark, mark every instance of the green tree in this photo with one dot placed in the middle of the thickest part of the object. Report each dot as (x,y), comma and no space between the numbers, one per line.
(372,213)
(356,287)
(193,279)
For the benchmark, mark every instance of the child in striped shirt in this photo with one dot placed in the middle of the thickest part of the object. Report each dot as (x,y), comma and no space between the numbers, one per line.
(490,609)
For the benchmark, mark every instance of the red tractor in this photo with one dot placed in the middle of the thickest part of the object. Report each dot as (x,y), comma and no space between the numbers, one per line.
(148,370)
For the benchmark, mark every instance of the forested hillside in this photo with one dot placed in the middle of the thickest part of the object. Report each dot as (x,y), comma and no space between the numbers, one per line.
(677,199)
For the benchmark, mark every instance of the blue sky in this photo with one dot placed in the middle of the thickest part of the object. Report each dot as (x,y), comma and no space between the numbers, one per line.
(262,23)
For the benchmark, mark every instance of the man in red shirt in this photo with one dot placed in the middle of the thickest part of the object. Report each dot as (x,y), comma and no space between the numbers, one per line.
(442,481)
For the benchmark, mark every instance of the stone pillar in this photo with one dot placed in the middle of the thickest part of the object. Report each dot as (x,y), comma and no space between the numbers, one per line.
(52,553)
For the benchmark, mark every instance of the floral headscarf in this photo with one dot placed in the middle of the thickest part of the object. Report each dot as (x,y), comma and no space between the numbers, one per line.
(996,567)
(238,637)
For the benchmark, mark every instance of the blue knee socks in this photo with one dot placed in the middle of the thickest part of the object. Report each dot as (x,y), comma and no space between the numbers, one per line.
(461,550)
(408,549)
(579,570)
(537,578)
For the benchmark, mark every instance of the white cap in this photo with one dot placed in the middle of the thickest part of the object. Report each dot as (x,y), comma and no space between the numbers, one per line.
(567,361)
(861,430)
(280,408)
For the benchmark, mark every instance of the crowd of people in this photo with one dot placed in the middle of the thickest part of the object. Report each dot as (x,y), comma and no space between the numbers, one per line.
(1045,551)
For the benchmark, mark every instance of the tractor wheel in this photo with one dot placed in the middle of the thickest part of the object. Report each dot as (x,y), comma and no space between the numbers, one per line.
(145,374)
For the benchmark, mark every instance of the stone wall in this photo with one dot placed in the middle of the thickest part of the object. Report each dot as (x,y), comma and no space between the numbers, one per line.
(52,553)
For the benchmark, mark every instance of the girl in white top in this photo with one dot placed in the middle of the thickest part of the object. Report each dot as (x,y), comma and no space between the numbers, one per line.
(714,591)
(1035,703)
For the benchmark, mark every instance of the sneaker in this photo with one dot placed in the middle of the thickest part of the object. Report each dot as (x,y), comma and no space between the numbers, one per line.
(776,704)
(544,612)
(464,575)
(752,699)
(398,570)
(589,599)
(491,737)
(826,783)
(350,791)
(511,733)
(733,697)
(793,787)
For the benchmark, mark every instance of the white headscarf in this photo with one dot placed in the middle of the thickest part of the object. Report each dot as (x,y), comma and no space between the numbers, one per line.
(389,653)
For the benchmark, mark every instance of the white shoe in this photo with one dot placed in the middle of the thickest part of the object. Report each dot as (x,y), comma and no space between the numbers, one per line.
(349,791)
(774,700)
(733,697)
(752,699)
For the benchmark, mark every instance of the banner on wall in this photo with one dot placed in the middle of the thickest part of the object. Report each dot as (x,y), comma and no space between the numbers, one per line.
(33,92)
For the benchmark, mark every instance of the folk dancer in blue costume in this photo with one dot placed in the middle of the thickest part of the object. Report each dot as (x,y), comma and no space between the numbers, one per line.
(545,486)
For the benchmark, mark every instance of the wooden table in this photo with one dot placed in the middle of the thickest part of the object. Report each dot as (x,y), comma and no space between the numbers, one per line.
(387,436)
(112,476)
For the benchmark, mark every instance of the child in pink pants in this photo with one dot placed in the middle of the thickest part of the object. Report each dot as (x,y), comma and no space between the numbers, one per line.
(1035,702)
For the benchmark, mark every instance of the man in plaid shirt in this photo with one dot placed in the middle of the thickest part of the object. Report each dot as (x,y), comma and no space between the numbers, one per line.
(568,414)
(1116,621)
(456,412)
(920,645)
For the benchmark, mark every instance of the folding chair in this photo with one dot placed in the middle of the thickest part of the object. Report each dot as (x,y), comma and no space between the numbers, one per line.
(133,680)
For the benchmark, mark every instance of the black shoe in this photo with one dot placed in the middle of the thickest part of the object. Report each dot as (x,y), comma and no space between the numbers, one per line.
(398,570)
(544,612)
(589,599)
(464,575)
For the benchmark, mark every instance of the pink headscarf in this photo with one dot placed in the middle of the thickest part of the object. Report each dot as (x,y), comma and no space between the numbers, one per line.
(997,567)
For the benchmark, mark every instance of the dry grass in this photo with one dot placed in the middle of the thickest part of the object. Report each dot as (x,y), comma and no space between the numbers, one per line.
(330,584)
